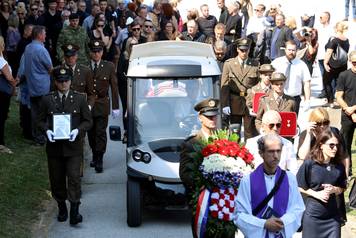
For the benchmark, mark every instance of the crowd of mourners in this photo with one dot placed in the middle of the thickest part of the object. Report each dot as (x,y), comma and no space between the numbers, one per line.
(258,48)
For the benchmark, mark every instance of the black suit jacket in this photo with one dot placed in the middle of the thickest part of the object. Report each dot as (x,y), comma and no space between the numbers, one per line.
(285,35)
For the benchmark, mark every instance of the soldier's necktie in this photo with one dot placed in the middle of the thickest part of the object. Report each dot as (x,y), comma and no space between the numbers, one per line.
(95,67)
(279,101)
(63,100)
(243,64)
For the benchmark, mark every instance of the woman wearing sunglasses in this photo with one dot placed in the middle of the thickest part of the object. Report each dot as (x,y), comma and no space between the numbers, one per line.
(322,179)
(99,31)
(318,122)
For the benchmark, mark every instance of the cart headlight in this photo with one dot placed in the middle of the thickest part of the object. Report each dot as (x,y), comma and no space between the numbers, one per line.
(146,158)
(137,155)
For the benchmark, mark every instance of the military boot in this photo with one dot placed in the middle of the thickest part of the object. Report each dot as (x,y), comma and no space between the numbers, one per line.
(75,217)
(99,163)
(62,212)
(93,162)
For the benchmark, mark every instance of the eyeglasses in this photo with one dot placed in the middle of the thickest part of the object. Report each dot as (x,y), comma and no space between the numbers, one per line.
(136,29)
(148,26)
(258,10)
(323,123)
(273,9)
(34,9)
(272,125)
(353,63)
(332,145)
(274,151)
(100,25)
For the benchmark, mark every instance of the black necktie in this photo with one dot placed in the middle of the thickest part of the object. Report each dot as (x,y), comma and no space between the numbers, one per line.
(63,100)
(95,67)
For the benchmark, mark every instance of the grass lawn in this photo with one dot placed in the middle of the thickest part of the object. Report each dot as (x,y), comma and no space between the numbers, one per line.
(23,181)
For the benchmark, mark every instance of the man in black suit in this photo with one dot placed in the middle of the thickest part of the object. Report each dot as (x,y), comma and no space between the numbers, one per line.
(280,35)
(64,152)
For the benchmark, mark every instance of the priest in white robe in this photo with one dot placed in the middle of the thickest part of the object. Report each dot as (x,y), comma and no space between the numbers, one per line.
(278,217)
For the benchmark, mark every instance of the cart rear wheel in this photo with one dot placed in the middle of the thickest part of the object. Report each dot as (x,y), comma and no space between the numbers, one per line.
(134,202)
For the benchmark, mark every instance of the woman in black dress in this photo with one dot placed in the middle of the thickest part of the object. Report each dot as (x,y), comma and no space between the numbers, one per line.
(322,177)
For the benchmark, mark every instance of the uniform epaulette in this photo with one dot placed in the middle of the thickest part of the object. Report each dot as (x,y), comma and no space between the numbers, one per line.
(231,59)
(76,92)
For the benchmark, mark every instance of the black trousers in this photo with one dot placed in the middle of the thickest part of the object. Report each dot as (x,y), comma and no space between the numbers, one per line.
(330,82)
(347,131)
(35,111)
(4,110)
(97,134)
(64,177)
(25,121)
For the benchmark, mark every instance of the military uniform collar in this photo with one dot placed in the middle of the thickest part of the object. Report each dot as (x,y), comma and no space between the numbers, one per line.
(92,63)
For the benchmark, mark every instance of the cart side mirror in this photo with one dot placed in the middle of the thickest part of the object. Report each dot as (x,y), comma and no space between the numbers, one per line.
(115,133)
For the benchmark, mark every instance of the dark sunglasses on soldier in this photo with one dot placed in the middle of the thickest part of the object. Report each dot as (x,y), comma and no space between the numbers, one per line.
(272,125)
(148,26)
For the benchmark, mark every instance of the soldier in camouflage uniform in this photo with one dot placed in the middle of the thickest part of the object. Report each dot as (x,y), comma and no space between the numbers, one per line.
(74,34)
(276,100)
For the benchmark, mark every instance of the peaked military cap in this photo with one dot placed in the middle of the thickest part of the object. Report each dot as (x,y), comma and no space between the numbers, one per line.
(265,68)
(61,73)
(70,49)
(243,43)
(277,76)
(96,45)
(208,107)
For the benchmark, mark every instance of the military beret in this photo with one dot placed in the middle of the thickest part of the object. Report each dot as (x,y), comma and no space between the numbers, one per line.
(96,45)
(73,16)
(70,49)
(265,68)
(277,76)
(243,43)
(352,56)
(208,107)
(61,73)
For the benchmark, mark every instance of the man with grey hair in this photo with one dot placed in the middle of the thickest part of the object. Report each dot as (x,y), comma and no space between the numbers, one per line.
(269,203)
(271,124)
(220,48)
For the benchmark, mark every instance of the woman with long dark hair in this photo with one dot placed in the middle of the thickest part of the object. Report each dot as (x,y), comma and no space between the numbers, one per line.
(322,178)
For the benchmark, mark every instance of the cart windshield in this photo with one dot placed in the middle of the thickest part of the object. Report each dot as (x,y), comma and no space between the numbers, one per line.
(164,108)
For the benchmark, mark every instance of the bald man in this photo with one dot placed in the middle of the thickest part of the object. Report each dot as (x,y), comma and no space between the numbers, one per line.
(271,124)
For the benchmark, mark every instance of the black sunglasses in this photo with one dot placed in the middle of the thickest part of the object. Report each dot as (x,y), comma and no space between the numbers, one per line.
(148,26)
(34,9)
(323,123)
(272,125)
(136,29)
(100,25)
(332,145)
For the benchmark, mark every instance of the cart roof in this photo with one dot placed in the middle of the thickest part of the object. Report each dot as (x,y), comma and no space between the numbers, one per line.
(173,59)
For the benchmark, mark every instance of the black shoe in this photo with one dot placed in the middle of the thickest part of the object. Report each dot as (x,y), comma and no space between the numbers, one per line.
(321,95)
(92,163)
(75,217)
(99,163)
(62,212)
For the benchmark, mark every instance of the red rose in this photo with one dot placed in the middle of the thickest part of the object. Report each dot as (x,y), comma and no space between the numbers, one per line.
(223,151)
(232,151)
(214,214)
(219,143)
(249,158)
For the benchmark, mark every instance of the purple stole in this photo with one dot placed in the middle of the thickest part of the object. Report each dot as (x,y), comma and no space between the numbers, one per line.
(259,192)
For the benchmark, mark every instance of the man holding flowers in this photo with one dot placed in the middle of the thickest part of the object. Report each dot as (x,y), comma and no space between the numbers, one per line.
(268,203)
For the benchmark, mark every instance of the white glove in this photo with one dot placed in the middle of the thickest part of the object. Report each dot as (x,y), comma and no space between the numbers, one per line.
(73,134)
(50,135)
(89,107)
(226,110)
(115,113)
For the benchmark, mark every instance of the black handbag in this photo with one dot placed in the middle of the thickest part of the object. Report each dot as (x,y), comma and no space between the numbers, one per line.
(5,85)
(352,195)
(338,57)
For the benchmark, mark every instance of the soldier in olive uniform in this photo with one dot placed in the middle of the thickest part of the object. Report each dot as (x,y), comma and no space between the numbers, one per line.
(239,75)
(82,80)
(64,155)
(276,100)
(74,34)
(208,111)
(104,76)
(264,86)
(82,76)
